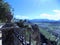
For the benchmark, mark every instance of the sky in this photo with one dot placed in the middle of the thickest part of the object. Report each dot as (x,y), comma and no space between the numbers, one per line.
(36,9)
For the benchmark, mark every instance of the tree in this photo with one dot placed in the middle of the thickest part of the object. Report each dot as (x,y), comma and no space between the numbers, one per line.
(5,11)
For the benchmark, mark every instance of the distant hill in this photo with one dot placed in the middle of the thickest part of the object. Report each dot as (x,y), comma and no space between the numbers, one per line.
(39,21)
(44,20)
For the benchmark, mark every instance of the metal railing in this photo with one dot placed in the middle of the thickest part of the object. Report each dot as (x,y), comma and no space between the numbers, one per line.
(18,34)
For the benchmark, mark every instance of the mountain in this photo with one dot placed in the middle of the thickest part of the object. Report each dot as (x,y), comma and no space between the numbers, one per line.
(39,21)
(44,20)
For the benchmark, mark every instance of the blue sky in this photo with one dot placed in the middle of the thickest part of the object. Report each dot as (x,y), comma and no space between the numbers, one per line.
(36,9)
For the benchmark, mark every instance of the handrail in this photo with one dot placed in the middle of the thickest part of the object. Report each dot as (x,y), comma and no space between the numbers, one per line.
(2,29)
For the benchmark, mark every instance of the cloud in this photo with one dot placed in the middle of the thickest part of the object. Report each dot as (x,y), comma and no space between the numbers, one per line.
(56,11)
(56,16)
(21,17)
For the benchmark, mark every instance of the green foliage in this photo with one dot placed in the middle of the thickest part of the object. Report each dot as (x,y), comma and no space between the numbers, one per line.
(4,9)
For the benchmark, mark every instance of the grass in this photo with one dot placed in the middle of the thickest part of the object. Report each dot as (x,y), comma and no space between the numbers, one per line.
(47,35)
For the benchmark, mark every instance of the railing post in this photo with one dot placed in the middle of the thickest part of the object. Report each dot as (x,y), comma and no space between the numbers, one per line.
(30,39)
